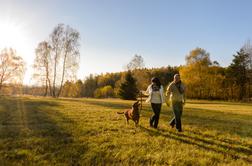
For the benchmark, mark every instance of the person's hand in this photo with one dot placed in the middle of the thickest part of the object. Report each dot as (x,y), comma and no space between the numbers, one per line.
(142,92)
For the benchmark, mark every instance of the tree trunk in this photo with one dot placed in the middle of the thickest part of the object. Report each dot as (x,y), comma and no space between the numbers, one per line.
(46,88)
(48,80)
(1,83)
(54,76)
(63,75)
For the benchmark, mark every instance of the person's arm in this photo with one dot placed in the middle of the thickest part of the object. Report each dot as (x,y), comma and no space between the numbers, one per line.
(147,92)
(184,96)
(167,94)
(168,91)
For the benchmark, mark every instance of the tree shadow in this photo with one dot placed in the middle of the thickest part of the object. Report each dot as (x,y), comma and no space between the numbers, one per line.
(209,119)
(221,121)
(210,144)
(218,102)
(9,123)
(38,127)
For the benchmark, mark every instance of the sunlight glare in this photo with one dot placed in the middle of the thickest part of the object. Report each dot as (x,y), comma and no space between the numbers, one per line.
(15,35)
(12,35)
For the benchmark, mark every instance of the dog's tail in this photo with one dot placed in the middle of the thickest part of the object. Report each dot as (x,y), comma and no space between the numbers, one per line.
(120,112)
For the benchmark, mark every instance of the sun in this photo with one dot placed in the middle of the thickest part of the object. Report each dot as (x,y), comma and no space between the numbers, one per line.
(15,35)
(12,35)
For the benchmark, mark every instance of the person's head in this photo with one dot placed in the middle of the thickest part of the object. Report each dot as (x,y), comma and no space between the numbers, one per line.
(176,78)
(156,81)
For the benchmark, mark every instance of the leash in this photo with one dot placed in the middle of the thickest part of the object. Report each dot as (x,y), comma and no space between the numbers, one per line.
(141,102)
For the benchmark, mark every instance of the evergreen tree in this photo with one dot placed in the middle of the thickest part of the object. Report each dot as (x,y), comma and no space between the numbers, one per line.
(128,89)
(238,71)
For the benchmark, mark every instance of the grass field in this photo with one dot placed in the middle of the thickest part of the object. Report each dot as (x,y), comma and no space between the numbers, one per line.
(45,131)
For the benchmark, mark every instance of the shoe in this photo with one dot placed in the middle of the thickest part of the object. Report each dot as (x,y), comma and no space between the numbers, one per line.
(172,126)
(179,130)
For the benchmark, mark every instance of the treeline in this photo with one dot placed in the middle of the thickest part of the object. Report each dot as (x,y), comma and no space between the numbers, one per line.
(109,84)
(204,79)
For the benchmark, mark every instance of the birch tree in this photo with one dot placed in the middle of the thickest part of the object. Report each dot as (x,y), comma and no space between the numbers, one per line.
(42,65)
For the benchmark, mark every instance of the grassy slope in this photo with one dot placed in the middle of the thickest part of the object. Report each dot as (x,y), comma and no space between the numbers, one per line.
(44,131)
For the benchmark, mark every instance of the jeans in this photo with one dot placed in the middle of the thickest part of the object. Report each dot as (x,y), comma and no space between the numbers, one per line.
(177,108)
(156,108)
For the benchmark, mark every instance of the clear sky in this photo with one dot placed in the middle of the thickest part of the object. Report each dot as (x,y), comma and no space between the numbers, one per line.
(112,31)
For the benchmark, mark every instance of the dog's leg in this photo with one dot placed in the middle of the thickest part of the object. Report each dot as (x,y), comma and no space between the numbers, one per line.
(127,120)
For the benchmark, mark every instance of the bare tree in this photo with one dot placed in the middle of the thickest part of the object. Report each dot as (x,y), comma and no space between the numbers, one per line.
(65,53)
(56,42)
(12,67)
(137,62)
(70,53)
(42,65)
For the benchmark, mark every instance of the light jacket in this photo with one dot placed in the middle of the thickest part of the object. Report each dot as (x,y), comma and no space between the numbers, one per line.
(149,92)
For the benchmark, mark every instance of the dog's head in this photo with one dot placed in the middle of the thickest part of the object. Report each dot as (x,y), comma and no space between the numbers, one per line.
(136,105)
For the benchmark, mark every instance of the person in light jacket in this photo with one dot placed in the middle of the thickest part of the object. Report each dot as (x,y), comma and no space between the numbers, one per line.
(176,92)
(155,92)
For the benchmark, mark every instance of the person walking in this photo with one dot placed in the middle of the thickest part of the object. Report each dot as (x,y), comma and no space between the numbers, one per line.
(155,92)
(176,92)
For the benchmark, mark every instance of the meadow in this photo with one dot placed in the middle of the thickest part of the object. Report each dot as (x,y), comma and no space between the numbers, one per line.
(65,131)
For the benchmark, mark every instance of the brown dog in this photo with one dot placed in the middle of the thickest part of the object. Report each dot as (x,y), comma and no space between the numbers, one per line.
(132,113)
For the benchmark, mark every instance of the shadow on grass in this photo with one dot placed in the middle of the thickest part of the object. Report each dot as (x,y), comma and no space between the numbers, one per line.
(39,128)
(10,127)
(210,119)
(214,102)
(210,144)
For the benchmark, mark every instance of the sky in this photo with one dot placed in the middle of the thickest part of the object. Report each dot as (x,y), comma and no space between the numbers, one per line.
(163,32)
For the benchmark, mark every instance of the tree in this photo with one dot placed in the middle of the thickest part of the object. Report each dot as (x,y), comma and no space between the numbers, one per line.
(67,89)
(128,89)
(104,92)
(64,41)
(42,65)
(198,56)
(89,86)
(137,62)
(12,67)
(194,72)
(248,49)
(78,88)
(238,71)
(57,59)
(202,77)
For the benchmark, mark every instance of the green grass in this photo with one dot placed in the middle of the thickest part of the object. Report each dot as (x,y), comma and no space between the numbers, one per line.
(45,131)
